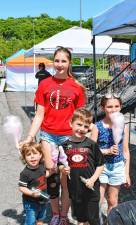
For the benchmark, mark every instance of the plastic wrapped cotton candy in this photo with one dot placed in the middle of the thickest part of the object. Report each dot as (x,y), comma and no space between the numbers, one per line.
(118,123)
(13,128)
(54,154)
(58,155)
(62,156)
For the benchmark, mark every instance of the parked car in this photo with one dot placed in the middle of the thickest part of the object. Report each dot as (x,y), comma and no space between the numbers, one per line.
(78,70)
(84,74)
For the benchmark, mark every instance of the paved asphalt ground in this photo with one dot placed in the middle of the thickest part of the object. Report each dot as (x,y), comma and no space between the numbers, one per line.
(10,165)
(18,103)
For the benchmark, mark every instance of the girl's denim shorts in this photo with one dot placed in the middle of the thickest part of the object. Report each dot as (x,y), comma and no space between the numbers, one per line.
(113,173)
(53,138)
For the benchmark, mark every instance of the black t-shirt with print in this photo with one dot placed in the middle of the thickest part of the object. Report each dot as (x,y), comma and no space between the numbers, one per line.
(83,158)
(34,178)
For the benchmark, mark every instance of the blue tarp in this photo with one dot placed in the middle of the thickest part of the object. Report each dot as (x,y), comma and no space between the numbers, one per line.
(120,19)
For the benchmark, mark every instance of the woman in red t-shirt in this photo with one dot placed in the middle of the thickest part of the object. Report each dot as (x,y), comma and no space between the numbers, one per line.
(57,97)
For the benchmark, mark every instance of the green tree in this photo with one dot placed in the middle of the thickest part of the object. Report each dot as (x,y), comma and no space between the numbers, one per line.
(18,33)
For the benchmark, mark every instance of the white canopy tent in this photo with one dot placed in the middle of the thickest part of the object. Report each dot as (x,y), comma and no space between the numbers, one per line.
(120,19)
(78,39)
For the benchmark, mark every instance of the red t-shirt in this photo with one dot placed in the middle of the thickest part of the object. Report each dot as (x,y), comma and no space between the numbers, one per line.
(60,97)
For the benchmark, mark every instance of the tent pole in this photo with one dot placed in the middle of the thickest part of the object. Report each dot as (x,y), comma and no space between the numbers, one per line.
(25,81)
(34,65)
(94,74)
(80,13)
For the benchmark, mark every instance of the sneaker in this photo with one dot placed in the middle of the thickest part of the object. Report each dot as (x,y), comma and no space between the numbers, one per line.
(55,220)
(63,221)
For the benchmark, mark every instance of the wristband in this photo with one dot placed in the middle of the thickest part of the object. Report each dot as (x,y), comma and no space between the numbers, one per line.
(29,135)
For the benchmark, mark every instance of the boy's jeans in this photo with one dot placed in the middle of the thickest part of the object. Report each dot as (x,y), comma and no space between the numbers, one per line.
(35,211)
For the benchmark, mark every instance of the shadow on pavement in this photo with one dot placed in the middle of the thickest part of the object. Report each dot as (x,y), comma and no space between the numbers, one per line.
(12,213)
(29,110)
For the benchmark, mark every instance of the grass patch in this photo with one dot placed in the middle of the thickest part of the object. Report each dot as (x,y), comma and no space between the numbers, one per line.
(103,74)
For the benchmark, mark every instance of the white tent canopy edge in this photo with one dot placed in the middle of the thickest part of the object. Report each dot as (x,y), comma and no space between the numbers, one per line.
(78,39)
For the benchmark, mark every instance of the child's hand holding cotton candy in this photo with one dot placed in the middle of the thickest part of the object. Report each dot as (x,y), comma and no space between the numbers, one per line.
(118,123)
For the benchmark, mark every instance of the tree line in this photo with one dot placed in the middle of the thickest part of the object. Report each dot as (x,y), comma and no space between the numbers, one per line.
(24,32)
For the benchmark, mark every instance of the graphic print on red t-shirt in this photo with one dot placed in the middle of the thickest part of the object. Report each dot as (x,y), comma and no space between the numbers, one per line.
(59,98)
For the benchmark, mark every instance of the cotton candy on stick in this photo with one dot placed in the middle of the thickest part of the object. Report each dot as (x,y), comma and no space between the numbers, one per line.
(58,155)
(63,158)
(54,154)
(118,123)
(13,128)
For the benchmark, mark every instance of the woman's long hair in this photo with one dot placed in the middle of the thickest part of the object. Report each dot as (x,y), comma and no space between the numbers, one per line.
(70,74)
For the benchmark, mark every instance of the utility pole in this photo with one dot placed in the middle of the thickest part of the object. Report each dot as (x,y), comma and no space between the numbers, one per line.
(34,43)
(33,23)
(80,13)
(81,59)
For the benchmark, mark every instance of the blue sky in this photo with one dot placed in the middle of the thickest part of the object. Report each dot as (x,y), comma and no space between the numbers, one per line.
(69,9)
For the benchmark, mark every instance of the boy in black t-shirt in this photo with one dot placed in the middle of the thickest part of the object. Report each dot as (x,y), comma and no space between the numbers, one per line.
(33,185)
(86,164)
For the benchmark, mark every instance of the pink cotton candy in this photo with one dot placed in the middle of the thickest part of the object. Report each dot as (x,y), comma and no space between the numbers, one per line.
(118,123)
(58,155)
(62,156)
(13,128)
(54,154)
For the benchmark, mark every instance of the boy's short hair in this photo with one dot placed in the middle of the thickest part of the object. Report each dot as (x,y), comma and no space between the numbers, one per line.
(83,114)
(30,147)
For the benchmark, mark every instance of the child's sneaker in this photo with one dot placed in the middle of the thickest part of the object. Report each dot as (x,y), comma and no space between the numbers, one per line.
(55,220)
(63,221)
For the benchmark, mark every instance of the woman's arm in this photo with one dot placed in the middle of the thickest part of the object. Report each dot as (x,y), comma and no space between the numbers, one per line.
(126,155)
(37,121)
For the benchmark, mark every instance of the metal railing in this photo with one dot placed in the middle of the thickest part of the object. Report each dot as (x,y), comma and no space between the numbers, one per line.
(123,82)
